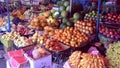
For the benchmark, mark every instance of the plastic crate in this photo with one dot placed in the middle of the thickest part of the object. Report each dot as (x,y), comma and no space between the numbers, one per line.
(6,43)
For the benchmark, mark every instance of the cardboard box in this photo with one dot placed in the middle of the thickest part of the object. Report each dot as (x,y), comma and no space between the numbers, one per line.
(44,62)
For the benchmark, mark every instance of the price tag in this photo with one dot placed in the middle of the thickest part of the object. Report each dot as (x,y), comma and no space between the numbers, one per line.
(56,8)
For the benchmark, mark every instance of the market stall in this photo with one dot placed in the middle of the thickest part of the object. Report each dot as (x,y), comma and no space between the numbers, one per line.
(61,34)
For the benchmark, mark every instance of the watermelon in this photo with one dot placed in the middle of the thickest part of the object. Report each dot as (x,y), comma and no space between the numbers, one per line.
(62,8)
(66,3)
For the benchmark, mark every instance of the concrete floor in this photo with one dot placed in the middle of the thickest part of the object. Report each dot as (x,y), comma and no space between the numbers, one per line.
(2,63)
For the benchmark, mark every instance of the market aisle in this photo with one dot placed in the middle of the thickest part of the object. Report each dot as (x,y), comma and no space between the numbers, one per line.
(2,63)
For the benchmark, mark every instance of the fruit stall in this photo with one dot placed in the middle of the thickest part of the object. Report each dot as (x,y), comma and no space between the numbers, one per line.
(60,33)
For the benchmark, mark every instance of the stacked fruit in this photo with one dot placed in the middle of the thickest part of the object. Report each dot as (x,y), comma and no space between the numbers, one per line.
(86,26)
(2,22)
(113,55)
(10,7)
(22,30)
(41,21)
(18,14)
(22,42)
(38,52)
(110,33)
(112,18)
(86,60)
(70,36)
(10,36)
(52,45)
(38,38)
(64,6)
(69,21)
(44,8)
(49,31)
(92,16)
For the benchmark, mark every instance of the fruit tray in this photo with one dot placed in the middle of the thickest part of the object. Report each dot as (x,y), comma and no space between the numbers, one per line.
(29,53)
(64,47)
(60,56)
(111,25)
(82,44)
(91,37)
(31,32)
(24,48)
(106,38)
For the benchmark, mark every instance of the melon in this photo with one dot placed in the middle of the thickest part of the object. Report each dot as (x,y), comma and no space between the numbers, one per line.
(60,3)
(64,20)
(64,14)
(62,8)
(76,16)
(56,14)
(68,8)
(66,3)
